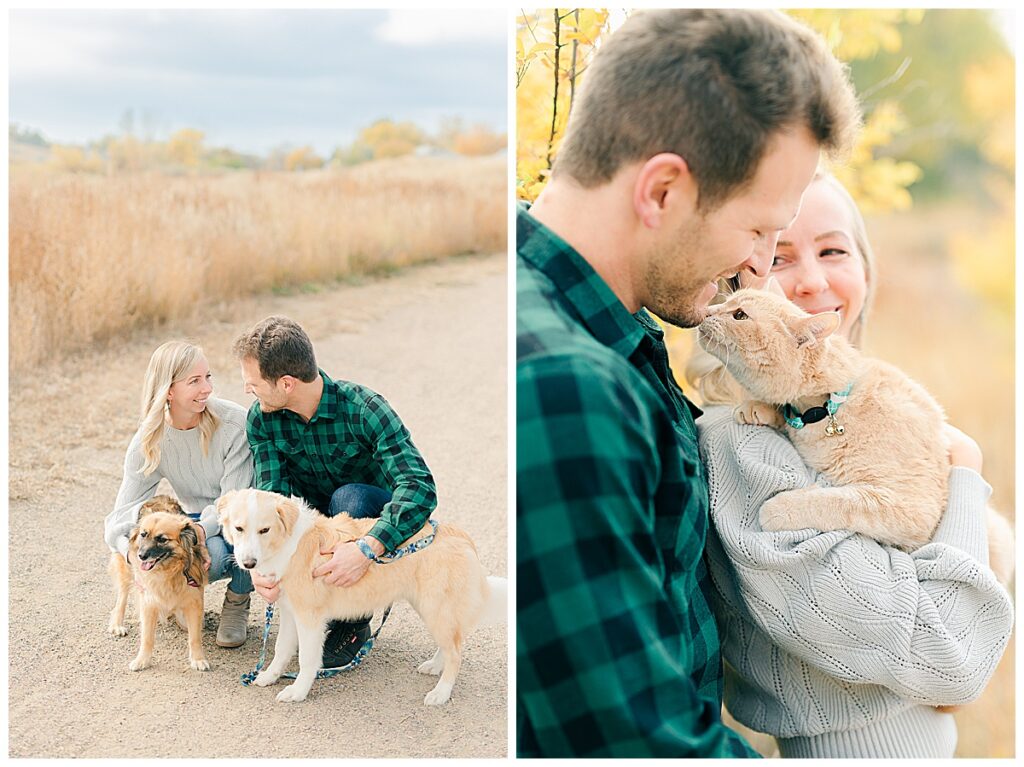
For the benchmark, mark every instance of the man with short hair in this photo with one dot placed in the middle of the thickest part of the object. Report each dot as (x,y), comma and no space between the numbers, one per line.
(340,447)
(687,151)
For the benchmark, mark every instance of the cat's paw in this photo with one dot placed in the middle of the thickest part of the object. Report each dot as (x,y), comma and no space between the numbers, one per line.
(783,512)
(754,413)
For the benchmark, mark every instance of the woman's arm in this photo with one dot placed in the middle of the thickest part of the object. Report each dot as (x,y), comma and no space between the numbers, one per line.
(135,490)
(930,625)
(238,467)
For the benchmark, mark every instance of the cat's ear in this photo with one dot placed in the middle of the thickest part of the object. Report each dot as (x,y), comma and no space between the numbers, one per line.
(810,330)
(773,286)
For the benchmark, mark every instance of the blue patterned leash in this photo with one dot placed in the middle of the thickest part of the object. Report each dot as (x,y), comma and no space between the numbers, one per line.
(412,548)
(360,656)
(324,673)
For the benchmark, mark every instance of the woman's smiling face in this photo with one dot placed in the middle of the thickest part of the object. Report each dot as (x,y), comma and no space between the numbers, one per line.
(188,395)
(817,262)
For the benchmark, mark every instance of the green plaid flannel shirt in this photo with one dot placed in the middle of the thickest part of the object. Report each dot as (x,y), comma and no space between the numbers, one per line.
(354,436)
(617,649)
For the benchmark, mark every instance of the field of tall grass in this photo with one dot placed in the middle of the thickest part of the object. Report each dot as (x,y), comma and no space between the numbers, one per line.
(95,257)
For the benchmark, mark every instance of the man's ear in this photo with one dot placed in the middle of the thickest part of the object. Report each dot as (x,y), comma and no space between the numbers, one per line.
(662,184)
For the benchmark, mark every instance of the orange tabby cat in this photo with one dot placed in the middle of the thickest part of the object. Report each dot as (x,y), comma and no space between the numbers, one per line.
(882,447)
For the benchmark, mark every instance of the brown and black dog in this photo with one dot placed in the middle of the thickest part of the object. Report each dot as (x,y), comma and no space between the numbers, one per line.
(166,561)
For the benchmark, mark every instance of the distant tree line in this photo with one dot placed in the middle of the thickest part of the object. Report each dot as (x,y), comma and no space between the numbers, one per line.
(186,151)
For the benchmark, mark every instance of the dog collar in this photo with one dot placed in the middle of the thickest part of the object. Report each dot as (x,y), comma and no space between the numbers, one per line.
(365,548)
(819,413)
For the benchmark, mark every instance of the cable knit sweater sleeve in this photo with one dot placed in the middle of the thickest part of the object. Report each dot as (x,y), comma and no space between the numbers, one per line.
(135,490)
(238,466)
(930,625)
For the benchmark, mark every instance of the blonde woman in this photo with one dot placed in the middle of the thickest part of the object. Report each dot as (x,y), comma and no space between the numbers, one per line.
(836,645)
(197,443)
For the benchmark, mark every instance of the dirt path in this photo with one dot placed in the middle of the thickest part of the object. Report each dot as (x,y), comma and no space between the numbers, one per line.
(432,339)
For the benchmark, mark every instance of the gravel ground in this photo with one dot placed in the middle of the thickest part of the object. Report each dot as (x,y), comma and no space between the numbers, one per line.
(432,339)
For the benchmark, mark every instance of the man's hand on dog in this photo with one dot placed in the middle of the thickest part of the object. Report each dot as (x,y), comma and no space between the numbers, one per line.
(348,564)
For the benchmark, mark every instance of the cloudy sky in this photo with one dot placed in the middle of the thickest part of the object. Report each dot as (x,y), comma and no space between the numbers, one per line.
(254,80)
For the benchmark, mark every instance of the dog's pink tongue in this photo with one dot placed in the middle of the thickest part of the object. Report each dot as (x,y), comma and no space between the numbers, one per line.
(147,564)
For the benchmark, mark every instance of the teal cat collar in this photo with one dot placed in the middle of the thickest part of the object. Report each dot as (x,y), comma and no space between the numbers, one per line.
(819,412)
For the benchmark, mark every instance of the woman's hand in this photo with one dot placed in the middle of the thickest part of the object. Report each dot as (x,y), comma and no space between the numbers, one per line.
(963,451)
(265,586)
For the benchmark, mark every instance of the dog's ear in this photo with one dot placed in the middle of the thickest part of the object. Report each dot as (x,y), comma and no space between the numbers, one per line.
(192,550)
(222,513)
(188,535)
(148,507)
(288,512)
(133,536)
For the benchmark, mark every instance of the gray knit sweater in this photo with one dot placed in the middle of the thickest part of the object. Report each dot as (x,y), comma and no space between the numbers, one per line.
(198,480)
(836,645)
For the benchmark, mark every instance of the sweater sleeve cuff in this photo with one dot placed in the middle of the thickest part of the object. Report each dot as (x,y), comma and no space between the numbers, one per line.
(210,521)
(122,545)
(963,524)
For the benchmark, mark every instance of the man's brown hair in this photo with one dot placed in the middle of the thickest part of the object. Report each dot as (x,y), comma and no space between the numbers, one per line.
(281,348)
(712,86)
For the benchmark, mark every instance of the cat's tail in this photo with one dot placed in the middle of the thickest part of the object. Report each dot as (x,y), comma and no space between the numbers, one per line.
(1001,548)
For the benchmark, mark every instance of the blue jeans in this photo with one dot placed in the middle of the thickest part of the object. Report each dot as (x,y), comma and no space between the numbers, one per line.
(223,565)
(358,501)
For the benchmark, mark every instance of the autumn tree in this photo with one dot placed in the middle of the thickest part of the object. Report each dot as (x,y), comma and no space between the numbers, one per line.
(303,158)
(185,147)
(73,159)
(454,135)
(385,138)
(554,48)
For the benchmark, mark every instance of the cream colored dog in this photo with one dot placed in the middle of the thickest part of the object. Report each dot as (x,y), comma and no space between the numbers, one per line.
(282,538)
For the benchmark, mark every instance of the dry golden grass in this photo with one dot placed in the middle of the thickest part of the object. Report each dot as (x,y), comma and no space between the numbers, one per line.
(961,349)
(92,257)
(963,353)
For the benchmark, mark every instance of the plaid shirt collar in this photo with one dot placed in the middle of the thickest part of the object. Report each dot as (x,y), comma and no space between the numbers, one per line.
(327,410)
(330,403)
(598,308)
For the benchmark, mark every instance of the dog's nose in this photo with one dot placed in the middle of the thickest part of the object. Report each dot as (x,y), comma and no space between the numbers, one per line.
(249,564)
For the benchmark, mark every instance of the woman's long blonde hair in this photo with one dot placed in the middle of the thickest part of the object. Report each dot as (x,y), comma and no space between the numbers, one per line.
(170,363)
(707,374)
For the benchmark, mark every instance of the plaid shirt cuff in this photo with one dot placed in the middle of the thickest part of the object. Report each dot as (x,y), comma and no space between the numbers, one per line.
(388,534)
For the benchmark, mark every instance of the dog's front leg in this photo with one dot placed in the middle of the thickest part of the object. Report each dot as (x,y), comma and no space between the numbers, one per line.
(147,634)
(122,578)
(196,656)
(311,652)
(284,649)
